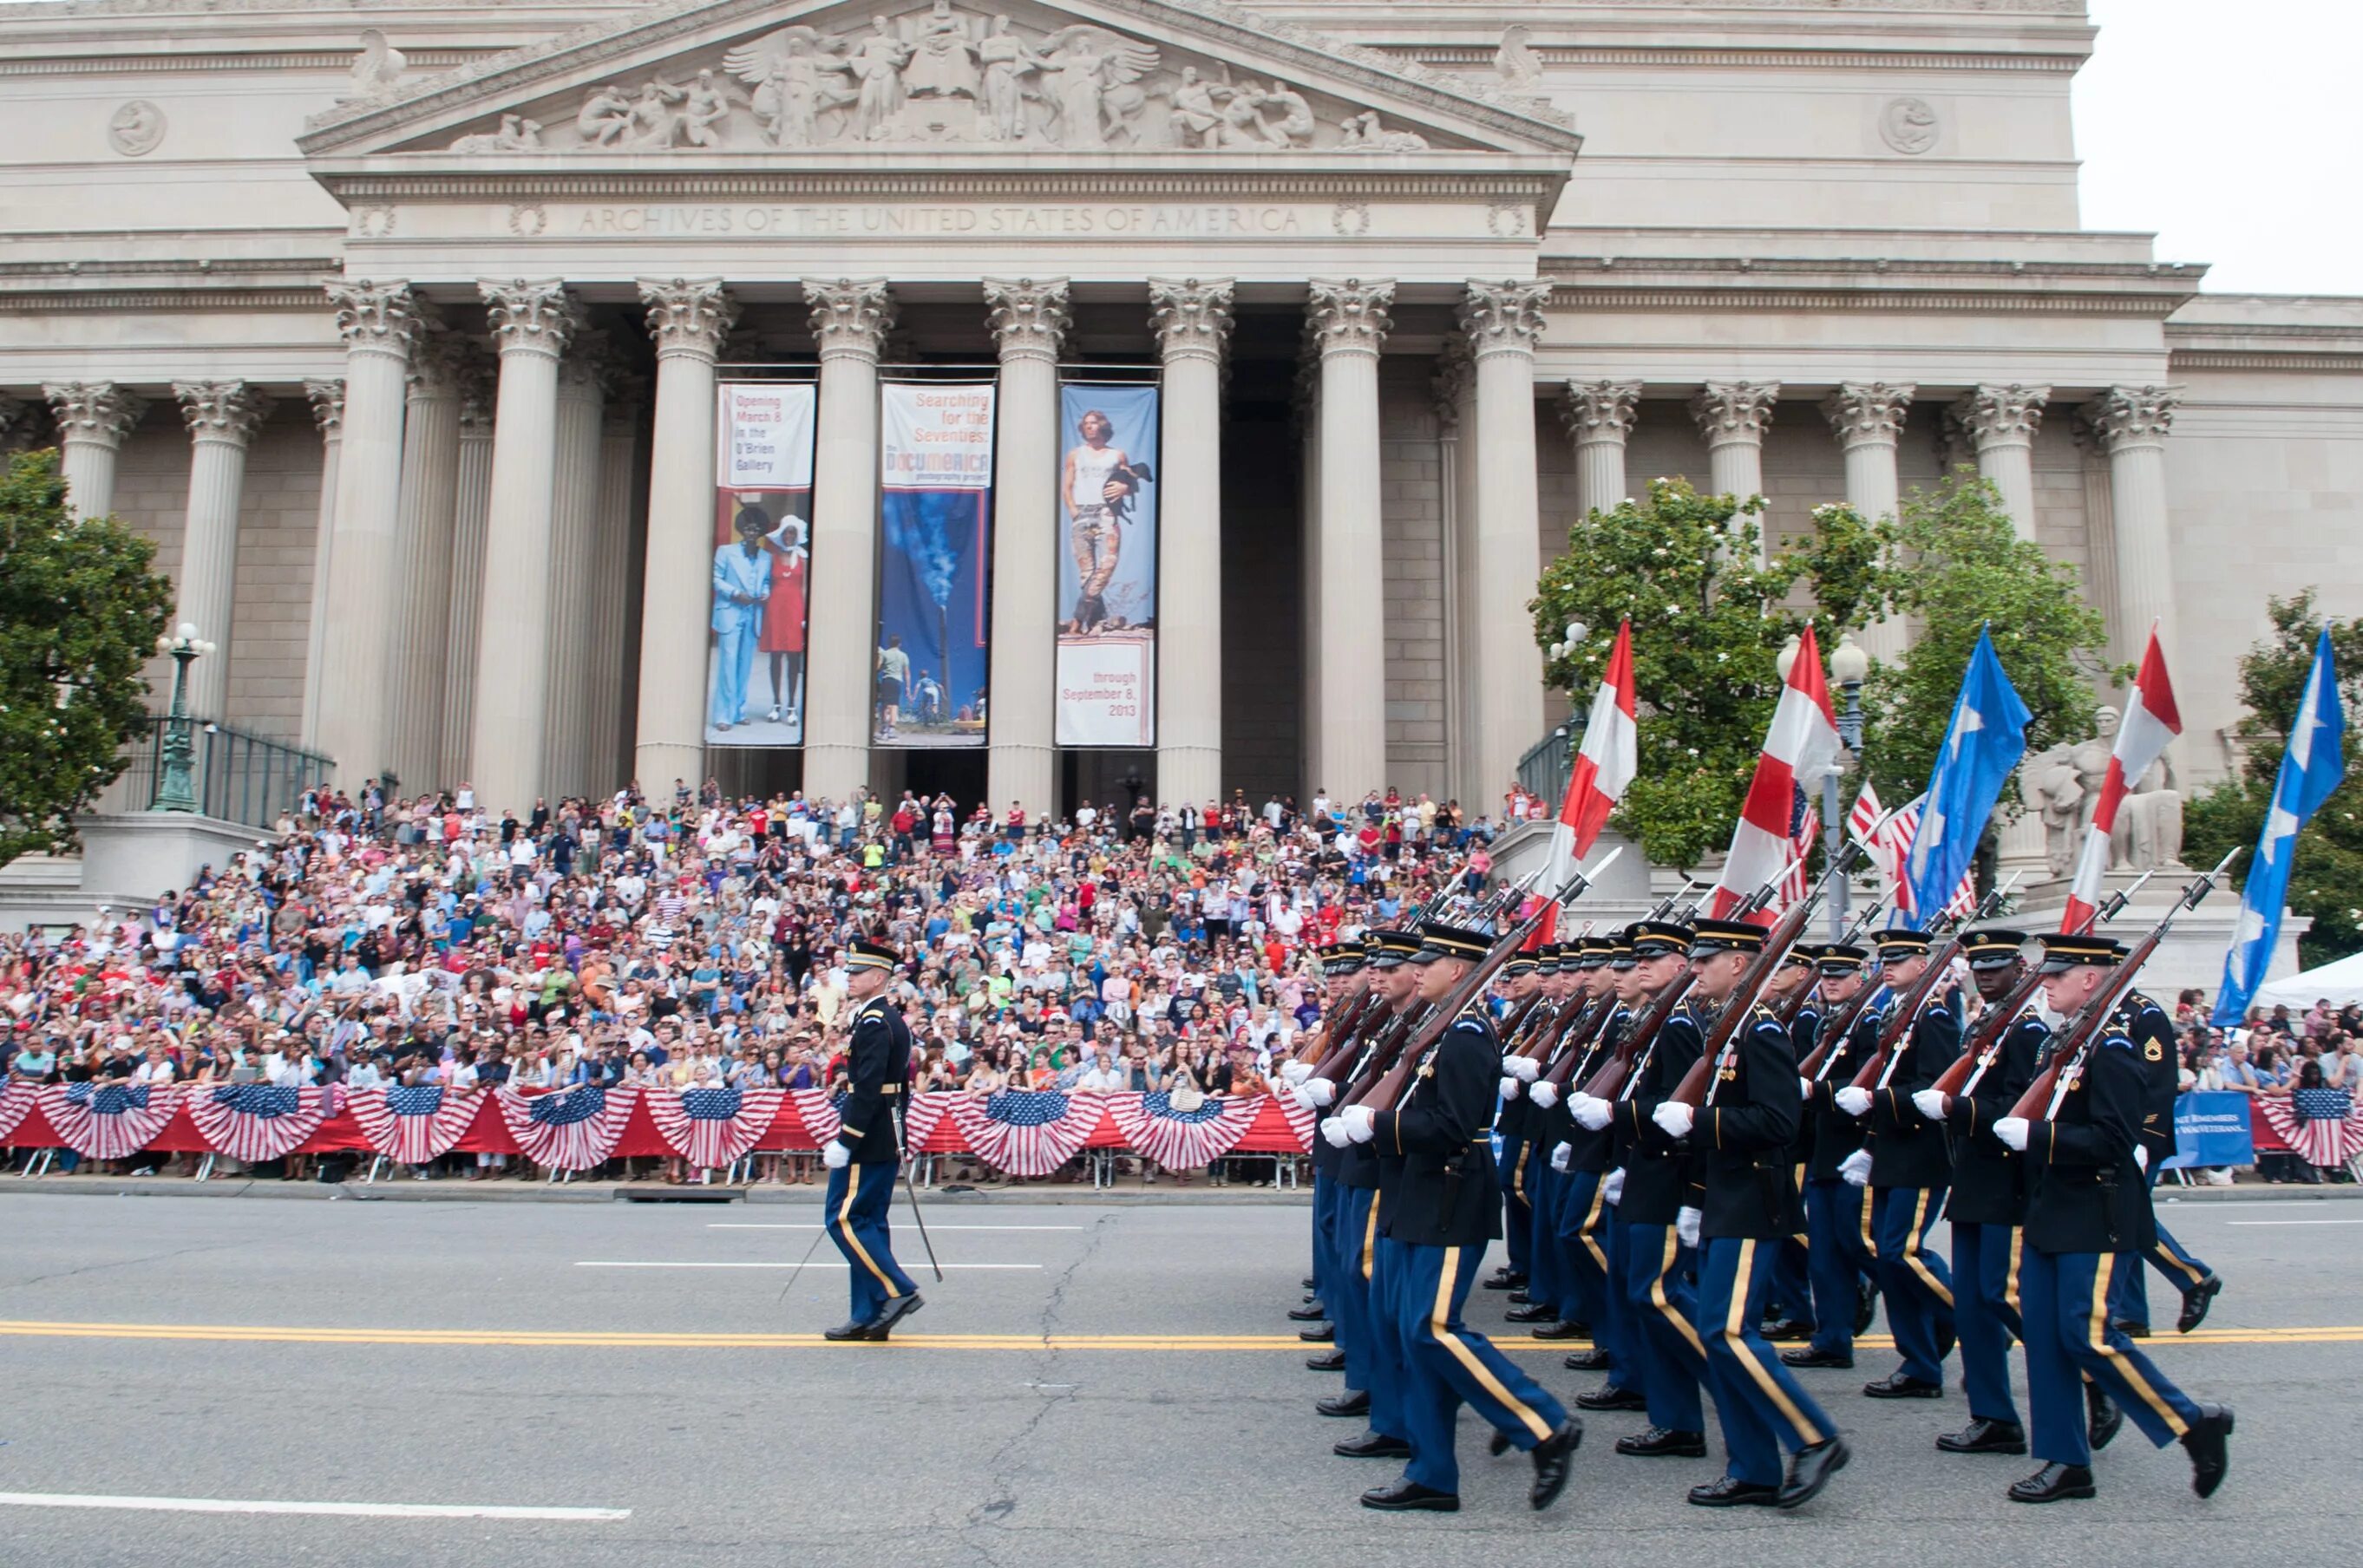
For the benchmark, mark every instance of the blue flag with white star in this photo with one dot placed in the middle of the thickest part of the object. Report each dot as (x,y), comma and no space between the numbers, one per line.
(2310,769)
(1983,743)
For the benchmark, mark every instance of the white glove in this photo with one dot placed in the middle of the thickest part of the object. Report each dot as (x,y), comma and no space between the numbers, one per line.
(1854,1102)
(1931,1103)
(1592,1113)
(1561,1156)
(1805,1088)
(1544,1094)
(1856,1168)
(2013,1130)
(1524,1068)
(2141,1157)
(1686,1226)
(1321,1090)
(1294,1073)
(1335,1131)
(1675,1117)
(836,1156)
(1612,1186)
(1509,1086)
(1362,1122)
(1303,1098)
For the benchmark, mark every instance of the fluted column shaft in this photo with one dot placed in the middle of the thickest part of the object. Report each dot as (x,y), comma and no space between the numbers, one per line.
(327,399)
(1599,417)
(2131,424)
(1733,418)
(1191,318)
(379,321)
(1867,417)
(1029,319)
(2001,421)
(618,453)
(1503,322)
(222,417)
(471,505)
(850,319)
(92,419)
(532,324)
(422,585)
(1351,321)
(573,557)
(1455,389)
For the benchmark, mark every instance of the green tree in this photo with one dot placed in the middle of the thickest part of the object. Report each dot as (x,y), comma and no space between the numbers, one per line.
(80,611)
(2326,877)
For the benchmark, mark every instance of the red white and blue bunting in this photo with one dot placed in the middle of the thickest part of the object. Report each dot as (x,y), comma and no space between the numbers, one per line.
(416,1123)
(109,1122)
(1026,1133)
(259,1122)
(711,1128)
(1183,1139)
(567,1129)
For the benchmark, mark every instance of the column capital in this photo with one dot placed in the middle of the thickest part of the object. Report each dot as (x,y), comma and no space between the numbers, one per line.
(1862,413)
(1455,380)
(2002,414)
(1598,413)
(851,316)
(327,399)
(228,411)
(624,392)
(1192,316)
(531,315)
(381,319)
(1505,317)
(689,316)
(94,411)
(1734,413)
(2124,418)
(1028,317)
(437,356)
(1347,315)
(585,370)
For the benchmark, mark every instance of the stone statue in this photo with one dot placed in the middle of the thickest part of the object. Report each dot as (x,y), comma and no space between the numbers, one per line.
(1294,126)
(1516,61)
(943,60)
(655,122)
(2050,786)
(1091,77)
(705,105)
(796,73)
(878,95)
(1243,128)
(378,67)
(1364,131)
(2149,830)
(516,133)
(2064,784)
(1197,118)
(605,115)
(1006,63)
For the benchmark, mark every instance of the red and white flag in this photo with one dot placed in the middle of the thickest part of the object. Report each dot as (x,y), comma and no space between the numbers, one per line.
(1610,756)
(1889,843)
(2151,721)
(1776,823)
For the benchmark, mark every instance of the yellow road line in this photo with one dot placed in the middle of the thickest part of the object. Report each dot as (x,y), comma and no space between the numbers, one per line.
(245,1333)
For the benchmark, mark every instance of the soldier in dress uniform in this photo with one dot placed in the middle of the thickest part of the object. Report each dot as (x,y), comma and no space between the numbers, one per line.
(2088,1220)
(1341,963)
(1560,1308)
(1789,1304)
(1440,1211)
(1579,1159)
(1989,1198)
(1594,1119)
(2153,1034)
(1910,1167)
(1520,980)
(1746,1206)
(866,1156)
(1842,1259)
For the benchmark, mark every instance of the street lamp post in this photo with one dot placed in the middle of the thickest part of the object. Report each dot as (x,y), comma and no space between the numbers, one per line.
(176,787)
(1849,666)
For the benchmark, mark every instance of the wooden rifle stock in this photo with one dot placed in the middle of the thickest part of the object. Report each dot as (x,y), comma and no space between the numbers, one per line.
(1741,1003)
(1388,1090)
(1629,1046)
(1991,1025)
(1835,1028)
(1360,1015)
(1583,1028)
(1386,1045)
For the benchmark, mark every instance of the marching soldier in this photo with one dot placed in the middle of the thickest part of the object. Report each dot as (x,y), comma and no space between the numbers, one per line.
(866,1156)
(1520,982)
(2088,1220)
(1439,1212)
(1579,1160)
(1620,1336)
(1788,1311)
(1340,964)
(2153,1034)
(1558,1288)
(1842,1261)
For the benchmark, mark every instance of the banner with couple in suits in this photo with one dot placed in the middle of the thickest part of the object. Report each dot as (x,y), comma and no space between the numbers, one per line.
(762,512)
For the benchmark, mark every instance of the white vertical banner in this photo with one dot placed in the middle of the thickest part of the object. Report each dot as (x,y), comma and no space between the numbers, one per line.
(765,436)
(761,544)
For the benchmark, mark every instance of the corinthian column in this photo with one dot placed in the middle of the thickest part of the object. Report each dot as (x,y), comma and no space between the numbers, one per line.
(327,399)
(619,432)
(849,319)
(566,749)
(1453,388)
(1733,418)
(2131,425)
(532,324)
(470,504)
(1029,319)
(422,584)
(222,417)
(379,321)
(92,419)
(1503,322)
(1350,319)
(2001,421)
(1191,318)
(689,320)
(1867,417)
(1599,417)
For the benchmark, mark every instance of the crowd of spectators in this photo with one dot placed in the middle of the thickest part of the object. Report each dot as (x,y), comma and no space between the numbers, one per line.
(2276,1055)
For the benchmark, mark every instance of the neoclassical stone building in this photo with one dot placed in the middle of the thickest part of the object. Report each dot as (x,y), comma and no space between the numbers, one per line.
(397,323)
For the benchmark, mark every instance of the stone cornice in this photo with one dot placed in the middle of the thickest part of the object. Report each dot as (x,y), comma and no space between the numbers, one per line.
(242,60)
(923,176)
(176,301)
(1711,56)
(2328,362)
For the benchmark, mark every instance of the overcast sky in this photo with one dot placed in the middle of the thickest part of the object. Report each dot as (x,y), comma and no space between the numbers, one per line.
(2234,129)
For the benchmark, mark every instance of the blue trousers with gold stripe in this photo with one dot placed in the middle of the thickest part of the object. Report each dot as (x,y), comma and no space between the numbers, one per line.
(1324,1214)
(2065,1301)
(1662,1303)
(1914,1282)
(1838,1230)
(1580,1226)
(1986,1261)
(1546,1272)
(856,1202)
(1451,1365)
(1353,1260)
(2130,1304)
(1761,1407)
(1617,1337)
(1519,1223)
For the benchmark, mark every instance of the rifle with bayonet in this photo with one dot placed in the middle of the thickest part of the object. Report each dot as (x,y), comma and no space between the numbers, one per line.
(1691,1090)
(1978,1046)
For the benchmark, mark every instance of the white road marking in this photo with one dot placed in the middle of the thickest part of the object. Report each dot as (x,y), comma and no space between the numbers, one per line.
(2294,1222)
(744,1225)
(348,1510)
(816,1262)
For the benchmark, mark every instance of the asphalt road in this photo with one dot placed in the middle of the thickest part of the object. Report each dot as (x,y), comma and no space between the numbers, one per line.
(1089,1386)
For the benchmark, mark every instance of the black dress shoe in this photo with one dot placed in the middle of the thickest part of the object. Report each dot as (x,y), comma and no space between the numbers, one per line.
(1498,1444)
(1981,1436)
(1534,1312)
(1372,1445)
(1554,1457)
(894,1312)
(1612,1399)
(1518,1298)
(2053,1483)
(1503,1280)
(1354,1402)
(1318,1334)
(2103,1419)
(1788,1330)
(2196,1301)
(1563,1330)
(847,1332)
(1406,1495)
(1309,1284)
(1895,1386)
(1658,1442)
(1727,1493)
(1814,1356)
(1865,1304)
(2130,1329)
(2209,1445)
(1810,1469)
(1334,1362)
(1592,1360)
(1311,1313)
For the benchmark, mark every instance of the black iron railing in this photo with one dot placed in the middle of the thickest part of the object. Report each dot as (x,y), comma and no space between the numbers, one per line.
(234,775)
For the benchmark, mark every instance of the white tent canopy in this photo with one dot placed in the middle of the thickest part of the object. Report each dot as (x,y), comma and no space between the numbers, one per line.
(2341,980)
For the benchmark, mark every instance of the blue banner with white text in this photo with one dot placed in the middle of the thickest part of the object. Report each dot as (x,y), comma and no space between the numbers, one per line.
(933,565)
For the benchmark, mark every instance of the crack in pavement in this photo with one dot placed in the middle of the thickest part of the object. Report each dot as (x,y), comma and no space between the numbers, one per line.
(122,1262)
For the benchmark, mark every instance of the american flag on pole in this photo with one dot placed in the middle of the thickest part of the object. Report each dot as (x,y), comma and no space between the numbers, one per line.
(413,1123)
(2151,721)
(16,1102)
(1606,763)
(252,1123)
(569,1129)
(109,1122)
(711,1128)
(1183,1140)
(1889,844)
(1775,830)
(1027,1133)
